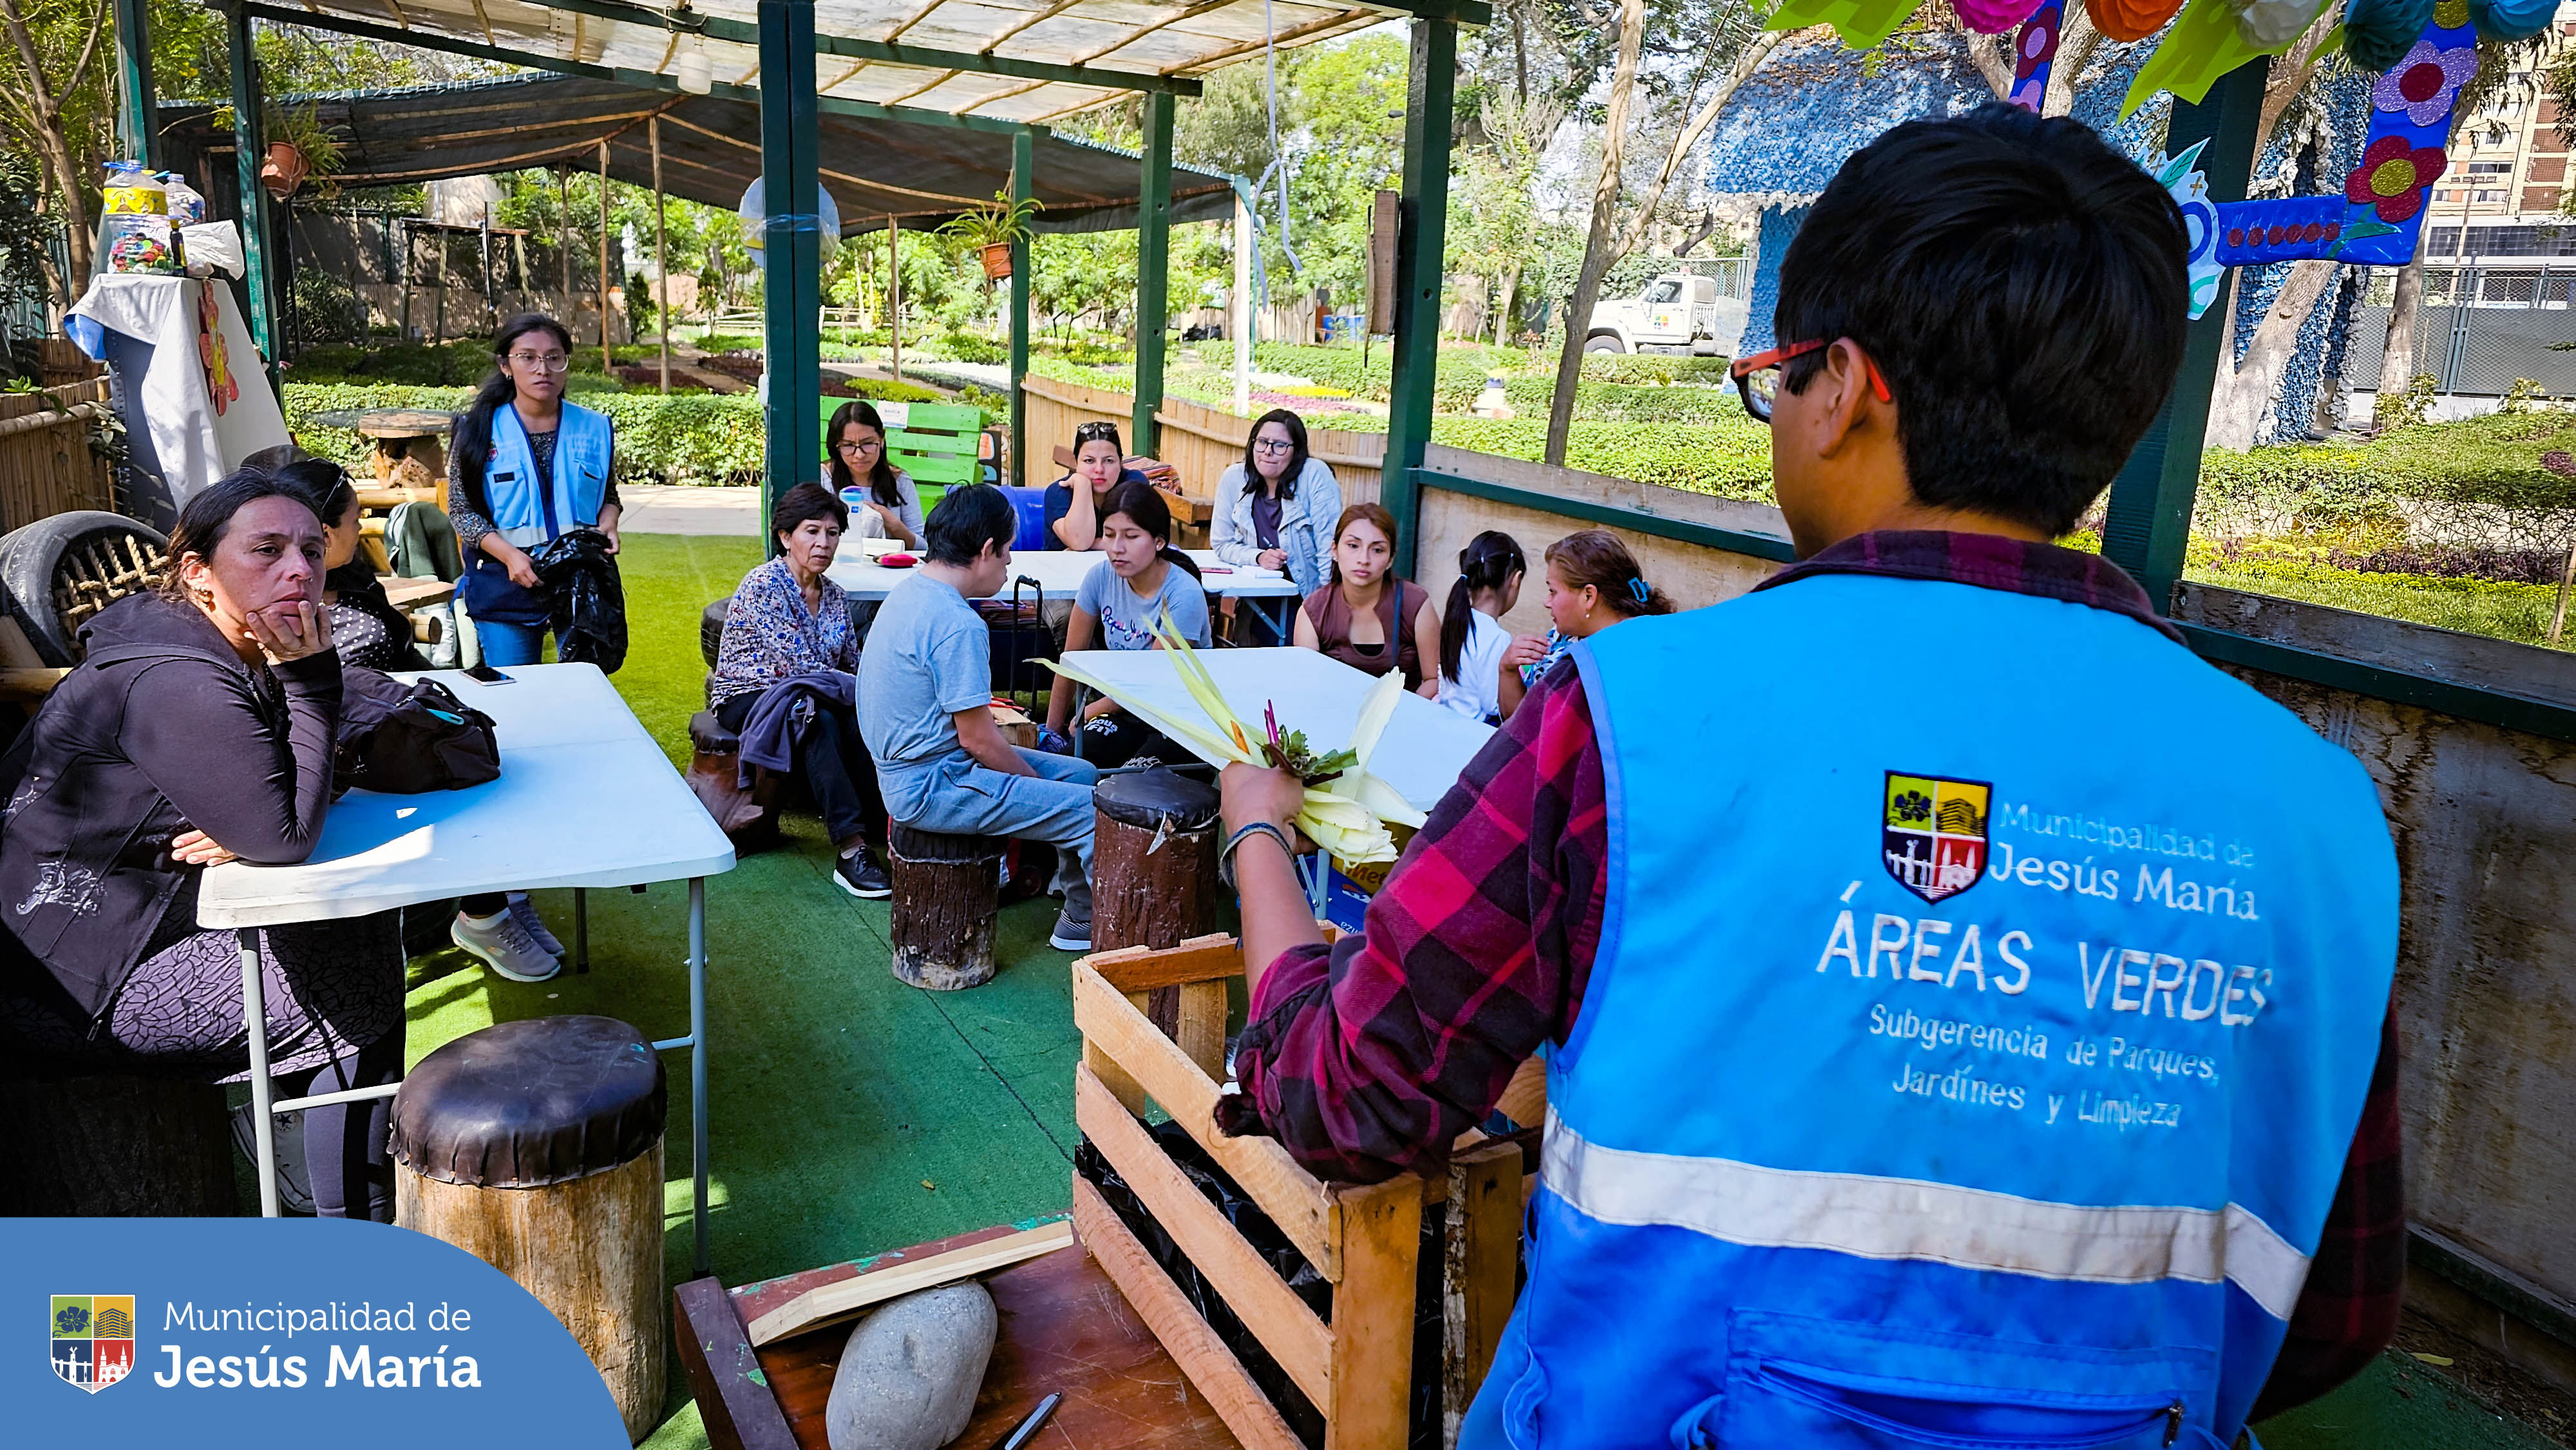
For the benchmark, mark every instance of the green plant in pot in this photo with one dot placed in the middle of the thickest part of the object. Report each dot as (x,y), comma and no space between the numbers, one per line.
(994,230)
(299,145)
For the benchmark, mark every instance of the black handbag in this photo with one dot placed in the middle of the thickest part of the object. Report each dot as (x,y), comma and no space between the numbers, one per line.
(406,739)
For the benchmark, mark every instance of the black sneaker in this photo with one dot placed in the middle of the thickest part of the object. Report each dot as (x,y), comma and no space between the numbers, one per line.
(862,877)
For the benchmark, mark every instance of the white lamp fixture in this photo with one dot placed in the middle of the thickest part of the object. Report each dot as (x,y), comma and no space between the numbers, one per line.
(694,72)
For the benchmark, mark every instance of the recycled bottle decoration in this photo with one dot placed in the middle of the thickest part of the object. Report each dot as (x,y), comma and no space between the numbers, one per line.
(134,233)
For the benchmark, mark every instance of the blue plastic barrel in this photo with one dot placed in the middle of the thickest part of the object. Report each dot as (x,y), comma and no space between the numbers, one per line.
(1030,504)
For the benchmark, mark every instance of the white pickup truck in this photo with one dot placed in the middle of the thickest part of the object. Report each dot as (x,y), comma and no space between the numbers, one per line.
(1675,313)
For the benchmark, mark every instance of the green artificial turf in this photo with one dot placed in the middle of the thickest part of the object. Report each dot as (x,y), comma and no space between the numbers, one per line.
(852,1114)
(849,1113)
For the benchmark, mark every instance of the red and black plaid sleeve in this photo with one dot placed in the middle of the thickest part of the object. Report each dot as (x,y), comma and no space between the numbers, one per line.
(1367,1061)
(2347,1312)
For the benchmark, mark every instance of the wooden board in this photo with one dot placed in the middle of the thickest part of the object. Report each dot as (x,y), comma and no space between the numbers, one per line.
(841,1302)
(1065,1329)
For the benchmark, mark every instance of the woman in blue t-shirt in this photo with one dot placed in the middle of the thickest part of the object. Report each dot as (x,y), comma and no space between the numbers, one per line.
(1122,599)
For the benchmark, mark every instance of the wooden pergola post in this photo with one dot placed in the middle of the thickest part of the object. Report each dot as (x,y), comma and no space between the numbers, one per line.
(250,148)
(2148,521)
(1024,160)
(1241,320)
(137,121)
(661,253)
(894,297)
(1153,270)
(607,361)
(792,251)
(1421,235)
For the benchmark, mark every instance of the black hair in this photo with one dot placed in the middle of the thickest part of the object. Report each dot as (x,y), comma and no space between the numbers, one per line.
(1488,562)
(881,476)
(2020,286)
(966,520)
(1144,507)
(208,516)
(807,501)
(1297,452)
(327,489)
(473,451)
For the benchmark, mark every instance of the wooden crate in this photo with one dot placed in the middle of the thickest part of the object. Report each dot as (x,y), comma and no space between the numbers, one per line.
(1364,1239)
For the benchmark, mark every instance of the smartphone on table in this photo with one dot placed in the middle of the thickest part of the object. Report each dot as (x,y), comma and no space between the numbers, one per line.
(482,673)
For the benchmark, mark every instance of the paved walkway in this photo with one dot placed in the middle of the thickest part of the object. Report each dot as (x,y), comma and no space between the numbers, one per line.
(656,508)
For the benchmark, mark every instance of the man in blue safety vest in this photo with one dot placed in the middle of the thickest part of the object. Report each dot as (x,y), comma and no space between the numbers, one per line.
(1964,1010)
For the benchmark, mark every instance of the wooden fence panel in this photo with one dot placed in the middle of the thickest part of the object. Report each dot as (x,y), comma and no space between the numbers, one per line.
(46,466)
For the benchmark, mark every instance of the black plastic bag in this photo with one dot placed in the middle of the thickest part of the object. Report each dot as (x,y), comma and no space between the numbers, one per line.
(405,739)
(580,577)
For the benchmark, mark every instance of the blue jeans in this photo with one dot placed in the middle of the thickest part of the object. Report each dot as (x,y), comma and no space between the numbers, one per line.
(958,797)
(506,644)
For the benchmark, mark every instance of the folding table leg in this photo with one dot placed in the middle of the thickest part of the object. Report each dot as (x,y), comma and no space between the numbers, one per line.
(698,1066)
(263,1127)
(580,930)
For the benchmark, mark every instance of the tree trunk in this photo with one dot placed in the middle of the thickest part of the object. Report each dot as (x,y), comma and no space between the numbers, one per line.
(2397,364)
(1503,310)
(2076,42)
(2237,413)
(1596,242)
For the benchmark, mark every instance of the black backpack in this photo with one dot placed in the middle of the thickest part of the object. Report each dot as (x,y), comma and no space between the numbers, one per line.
(406,739)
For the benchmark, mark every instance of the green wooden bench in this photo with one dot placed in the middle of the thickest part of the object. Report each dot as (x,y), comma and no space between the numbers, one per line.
(939,444)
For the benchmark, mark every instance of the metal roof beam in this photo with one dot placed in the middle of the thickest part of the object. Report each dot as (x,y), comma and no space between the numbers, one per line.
(642,80)
(720,28)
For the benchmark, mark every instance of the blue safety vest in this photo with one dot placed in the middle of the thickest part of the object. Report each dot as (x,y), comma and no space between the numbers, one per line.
(1986,996)
(528,509)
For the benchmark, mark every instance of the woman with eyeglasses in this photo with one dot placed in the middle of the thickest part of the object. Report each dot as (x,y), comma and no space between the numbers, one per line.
(1275,509)
(527,469)
(1073,502)
(856,448)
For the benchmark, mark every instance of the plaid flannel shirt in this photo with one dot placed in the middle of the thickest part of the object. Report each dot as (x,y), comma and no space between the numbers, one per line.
(1367,1059)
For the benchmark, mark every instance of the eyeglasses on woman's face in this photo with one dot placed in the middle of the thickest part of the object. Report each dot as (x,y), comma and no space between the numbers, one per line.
(1273,445)
(858,447)
(553,362)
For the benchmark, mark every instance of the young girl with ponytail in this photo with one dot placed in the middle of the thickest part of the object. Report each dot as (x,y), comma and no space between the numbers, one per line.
(1479,659)
(1121,600)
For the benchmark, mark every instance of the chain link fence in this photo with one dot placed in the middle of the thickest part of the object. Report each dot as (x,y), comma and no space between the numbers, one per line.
(2478,329)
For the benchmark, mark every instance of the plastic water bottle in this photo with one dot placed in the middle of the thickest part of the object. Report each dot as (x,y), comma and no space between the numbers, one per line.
(856,497)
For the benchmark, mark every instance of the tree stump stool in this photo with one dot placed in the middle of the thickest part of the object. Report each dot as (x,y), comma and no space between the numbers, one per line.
(747,815)
(537,1147)
(946,890)
(1153,869)
(117,1147)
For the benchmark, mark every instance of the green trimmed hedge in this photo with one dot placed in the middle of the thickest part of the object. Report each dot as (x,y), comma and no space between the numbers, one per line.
(694,438)
(1625,403)
(1651,367)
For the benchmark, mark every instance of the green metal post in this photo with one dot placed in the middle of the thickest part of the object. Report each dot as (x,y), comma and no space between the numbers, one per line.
(250,147)
(2149,519)
(792,250)
(1421,237)
(1153,269)
(137,125)
(1024,161)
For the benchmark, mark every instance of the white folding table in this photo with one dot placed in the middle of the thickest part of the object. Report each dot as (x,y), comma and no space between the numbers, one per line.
(1424,750)
(585,799)
(1059,572)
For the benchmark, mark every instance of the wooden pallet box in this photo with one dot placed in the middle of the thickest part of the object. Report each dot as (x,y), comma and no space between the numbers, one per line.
(1364,1239)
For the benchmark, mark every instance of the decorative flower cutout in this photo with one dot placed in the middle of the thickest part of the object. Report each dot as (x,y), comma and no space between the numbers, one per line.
(2392,176)
(2037,44)
(2426,82)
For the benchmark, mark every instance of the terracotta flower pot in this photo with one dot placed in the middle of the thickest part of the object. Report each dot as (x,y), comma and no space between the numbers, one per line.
(997,260)
(283,171)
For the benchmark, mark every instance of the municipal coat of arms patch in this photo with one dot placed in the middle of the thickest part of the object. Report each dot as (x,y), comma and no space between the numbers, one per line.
(93,1338)
(1934,835)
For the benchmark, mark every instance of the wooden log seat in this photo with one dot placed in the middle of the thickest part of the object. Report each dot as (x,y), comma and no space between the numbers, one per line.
(1153,869)
(946,891)
(747,814)
(536,1146)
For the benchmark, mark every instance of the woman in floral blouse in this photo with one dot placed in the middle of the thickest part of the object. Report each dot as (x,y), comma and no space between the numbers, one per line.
(787,624)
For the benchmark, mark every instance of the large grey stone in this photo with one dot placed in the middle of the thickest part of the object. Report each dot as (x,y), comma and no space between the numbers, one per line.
(911,1369)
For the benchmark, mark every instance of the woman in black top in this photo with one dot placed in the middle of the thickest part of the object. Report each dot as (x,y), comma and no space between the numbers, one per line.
(365,626)
(199,730)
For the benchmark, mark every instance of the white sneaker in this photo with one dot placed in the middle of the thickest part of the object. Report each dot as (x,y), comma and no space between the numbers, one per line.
(504,946)
(525,912)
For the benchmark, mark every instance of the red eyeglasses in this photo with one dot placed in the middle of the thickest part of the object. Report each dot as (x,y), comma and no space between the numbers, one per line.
(1757,378)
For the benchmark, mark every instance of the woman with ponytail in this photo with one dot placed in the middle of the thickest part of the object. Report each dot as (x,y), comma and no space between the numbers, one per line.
(1593,582)
(1479,659)
(527,469)
(1120,603)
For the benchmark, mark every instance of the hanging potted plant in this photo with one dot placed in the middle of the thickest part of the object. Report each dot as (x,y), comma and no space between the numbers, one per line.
(994,230)
(299,146)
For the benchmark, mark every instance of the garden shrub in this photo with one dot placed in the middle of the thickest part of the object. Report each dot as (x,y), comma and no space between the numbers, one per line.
(966,347)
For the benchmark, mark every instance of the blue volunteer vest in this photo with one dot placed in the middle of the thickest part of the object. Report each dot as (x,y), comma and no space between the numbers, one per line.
(528,513)
(1986,997)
